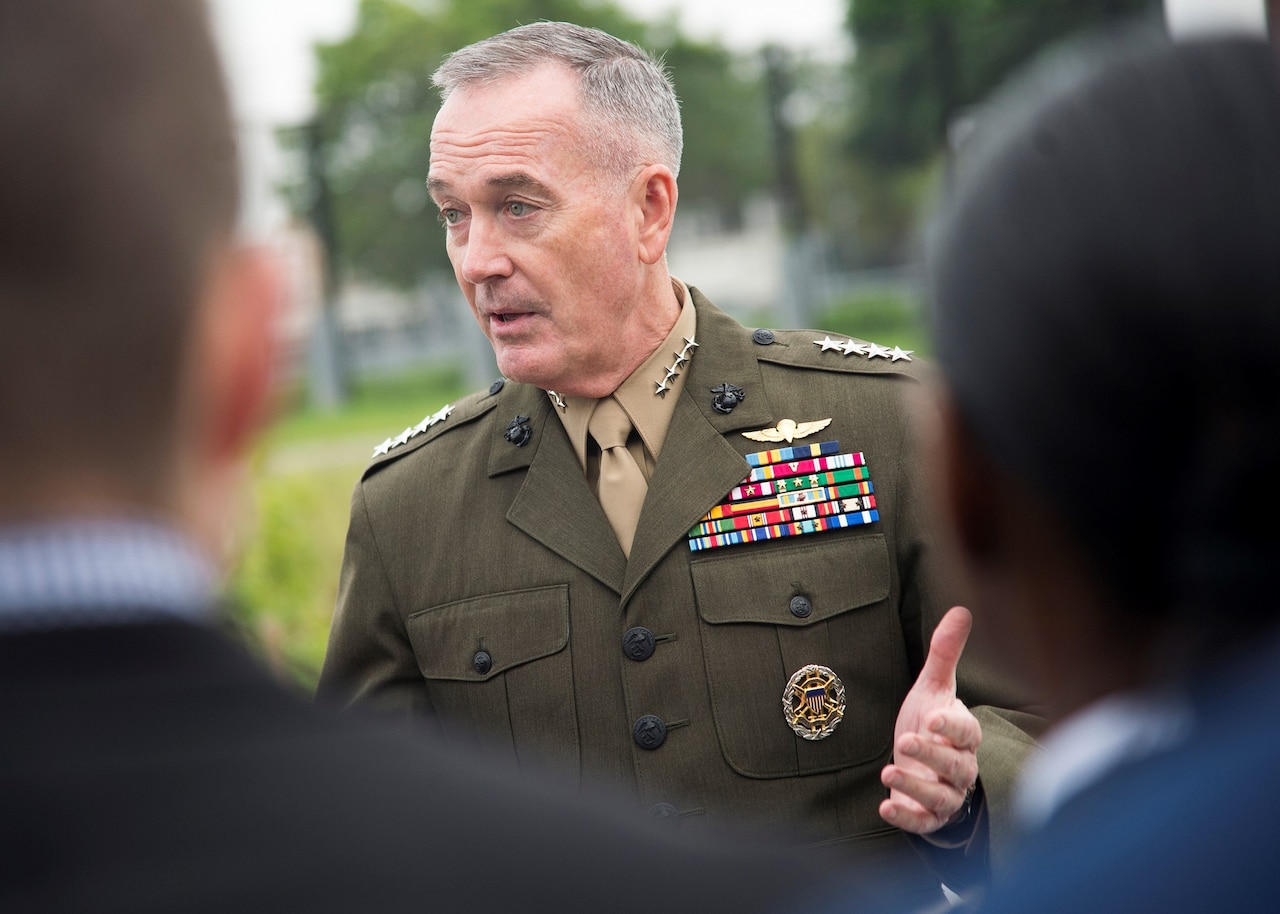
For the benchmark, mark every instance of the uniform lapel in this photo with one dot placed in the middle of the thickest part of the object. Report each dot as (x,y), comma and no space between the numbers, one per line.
(554,505)
(698,466)
(700,462)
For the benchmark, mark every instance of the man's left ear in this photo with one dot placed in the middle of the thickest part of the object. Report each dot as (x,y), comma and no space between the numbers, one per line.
(656,193)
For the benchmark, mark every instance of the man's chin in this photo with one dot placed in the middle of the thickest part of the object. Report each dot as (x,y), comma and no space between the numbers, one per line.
(524,371)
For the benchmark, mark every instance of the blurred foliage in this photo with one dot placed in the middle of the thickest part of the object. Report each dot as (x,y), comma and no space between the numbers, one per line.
(284,584)
(919,65)
(283,589)
(885,317)
(375,404)
(376,105)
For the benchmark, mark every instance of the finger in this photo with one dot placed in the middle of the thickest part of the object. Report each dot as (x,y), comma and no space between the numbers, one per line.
(908,819)
(945,648)
(910,816)
(956,726)
(957,768)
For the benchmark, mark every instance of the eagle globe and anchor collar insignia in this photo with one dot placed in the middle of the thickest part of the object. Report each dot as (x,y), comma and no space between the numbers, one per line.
(813,702)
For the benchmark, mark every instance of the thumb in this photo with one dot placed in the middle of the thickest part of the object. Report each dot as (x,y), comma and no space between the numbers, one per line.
(945,648)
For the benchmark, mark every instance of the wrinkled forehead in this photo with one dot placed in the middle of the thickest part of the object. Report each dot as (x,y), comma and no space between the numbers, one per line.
(531,123)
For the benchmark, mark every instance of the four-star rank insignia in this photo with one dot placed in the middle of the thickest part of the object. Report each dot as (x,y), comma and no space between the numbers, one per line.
(813,702)
(414,431)
(867,350)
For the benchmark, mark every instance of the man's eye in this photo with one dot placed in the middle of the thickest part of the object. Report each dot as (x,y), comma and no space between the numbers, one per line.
(518,209)
(449,216)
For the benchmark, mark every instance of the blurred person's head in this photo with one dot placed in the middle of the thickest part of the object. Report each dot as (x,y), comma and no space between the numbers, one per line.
(1105,277)
(134,333)
(553,164)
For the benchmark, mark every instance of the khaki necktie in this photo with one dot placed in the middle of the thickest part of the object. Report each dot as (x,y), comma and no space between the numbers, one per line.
(622,484)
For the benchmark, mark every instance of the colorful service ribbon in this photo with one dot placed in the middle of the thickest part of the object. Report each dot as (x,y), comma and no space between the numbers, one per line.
(791,491)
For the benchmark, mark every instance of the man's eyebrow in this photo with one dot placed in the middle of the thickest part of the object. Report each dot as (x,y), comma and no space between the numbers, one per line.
(519,181)
(515,181)
(437,187)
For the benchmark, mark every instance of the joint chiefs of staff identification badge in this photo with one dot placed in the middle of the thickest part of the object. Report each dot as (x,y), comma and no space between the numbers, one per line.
(813,702)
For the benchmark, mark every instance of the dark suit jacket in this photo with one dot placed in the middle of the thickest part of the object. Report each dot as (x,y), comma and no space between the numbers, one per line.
(155,768)
(462,542)
(1191,829)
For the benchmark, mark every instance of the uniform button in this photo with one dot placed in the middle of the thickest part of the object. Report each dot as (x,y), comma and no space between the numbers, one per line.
(649,732)
(638,643)
(482,662)
(800,606)
(763,337)
(665,813)
(497,386)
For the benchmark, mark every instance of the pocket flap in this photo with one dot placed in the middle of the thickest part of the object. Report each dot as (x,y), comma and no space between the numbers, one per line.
(834,577)
(510,628)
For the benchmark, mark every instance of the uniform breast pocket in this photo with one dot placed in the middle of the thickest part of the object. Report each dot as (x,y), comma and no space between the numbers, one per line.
(767,613)
(498,668)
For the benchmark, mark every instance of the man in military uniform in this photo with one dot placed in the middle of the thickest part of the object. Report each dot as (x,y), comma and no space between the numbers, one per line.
(673,554)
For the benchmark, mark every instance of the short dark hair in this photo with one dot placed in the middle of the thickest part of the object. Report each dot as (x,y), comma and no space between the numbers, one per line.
(1106,292)
(118,179)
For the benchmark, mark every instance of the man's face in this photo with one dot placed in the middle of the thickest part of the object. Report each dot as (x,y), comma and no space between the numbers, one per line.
(542,241)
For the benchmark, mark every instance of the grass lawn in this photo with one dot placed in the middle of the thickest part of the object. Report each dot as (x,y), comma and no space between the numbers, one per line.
(283,586)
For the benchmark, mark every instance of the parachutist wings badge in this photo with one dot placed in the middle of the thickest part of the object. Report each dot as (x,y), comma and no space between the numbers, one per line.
(788,430)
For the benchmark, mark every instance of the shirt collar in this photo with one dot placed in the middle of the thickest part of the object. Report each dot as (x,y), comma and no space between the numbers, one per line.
(100,571)
(650,414)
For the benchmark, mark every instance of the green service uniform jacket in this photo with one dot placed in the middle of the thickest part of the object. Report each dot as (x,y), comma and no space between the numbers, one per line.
(482,582)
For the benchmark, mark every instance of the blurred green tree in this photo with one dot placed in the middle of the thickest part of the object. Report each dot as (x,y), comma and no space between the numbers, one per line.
(376,105)
(918,65)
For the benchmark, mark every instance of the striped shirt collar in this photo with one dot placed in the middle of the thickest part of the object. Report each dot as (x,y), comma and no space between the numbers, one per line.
(59,574)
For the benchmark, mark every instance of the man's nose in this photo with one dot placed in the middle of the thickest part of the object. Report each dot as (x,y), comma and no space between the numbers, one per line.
(485,257)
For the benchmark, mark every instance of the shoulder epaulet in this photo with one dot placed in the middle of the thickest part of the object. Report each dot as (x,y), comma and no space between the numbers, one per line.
(819,349)
(443,420)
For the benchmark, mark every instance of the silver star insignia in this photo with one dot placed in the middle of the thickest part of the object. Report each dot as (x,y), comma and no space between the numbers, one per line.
(689,344)
(402,437)
(383,448)
(663,387)
(681,360)
(899,353)
(557,399)
(442,413)
(852,348)
(828,344)
(873,351)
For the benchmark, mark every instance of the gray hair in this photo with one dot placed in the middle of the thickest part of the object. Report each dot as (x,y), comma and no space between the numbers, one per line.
(636,115)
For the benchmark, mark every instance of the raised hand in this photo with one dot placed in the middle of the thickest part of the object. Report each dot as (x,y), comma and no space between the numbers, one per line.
(935,741)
